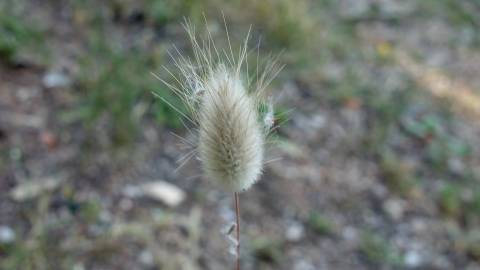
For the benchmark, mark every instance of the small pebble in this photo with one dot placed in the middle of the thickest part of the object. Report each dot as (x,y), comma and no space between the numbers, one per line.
(56,79)
(165,192)
(7,235)
(295,231)
(394,208)
(146,258)
(350,233)
(412,259)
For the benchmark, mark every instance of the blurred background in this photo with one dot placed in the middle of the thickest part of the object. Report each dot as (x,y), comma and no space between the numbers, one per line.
(376,164)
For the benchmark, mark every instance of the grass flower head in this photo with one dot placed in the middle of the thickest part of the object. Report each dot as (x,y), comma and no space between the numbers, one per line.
(225,106)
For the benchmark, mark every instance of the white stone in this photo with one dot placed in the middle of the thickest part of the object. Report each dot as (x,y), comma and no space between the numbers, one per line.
(394,208)
(56,79)
(413,259)
(7,235)
(295,232)
(350,233)
(146,258)
(163,191)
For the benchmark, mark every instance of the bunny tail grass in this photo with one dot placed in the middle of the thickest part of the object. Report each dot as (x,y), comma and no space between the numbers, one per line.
(225,106)
(231,139)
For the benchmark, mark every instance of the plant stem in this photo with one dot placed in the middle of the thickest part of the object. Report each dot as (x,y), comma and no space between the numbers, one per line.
(237,217)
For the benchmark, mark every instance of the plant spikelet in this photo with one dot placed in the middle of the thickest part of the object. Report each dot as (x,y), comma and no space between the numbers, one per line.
(225,109)
(230,140)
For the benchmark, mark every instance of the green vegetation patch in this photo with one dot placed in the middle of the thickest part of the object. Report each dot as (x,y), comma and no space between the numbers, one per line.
(377,250)
(16,35)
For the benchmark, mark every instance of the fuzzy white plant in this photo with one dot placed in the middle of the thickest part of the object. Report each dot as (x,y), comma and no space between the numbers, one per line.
(231,139)
(228,109)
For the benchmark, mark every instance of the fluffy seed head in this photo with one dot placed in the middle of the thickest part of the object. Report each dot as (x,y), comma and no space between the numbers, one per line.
(231,140)
(225,110)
